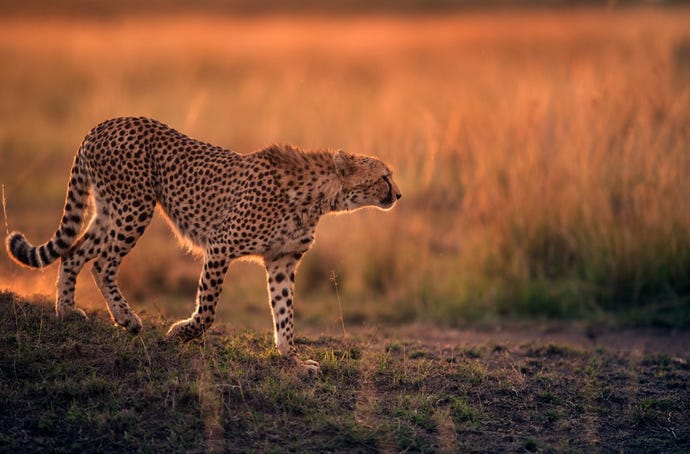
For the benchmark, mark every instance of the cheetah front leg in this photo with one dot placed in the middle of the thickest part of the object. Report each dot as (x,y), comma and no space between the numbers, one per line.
(281,284)
(210,286)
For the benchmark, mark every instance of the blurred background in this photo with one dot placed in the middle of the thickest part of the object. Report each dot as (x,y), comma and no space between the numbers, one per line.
(542,147)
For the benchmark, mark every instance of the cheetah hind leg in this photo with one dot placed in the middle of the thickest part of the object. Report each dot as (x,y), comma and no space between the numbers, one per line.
(104,275)
(123,232)
(85,249)
(65,306)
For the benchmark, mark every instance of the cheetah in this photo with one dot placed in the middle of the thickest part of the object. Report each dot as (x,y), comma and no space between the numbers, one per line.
(225,205)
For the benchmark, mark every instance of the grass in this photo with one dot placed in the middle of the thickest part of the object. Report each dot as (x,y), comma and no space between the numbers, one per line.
(542,154)
(68,386)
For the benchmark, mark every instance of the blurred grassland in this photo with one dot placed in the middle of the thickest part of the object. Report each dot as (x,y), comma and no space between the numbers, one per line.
(543,156)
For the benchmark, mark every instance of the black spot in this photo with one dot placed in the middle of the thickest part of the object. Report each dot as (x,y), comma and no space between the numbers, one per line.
(280,277)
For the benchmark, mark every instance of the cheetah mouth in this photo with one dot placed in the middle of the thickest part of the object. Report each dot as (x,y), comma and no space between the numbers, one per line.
(389,200)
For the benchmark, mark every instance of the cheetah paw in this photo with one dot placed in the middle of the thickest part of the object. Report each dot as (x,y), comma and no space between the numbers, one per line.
(183,331)
(71,313)
(310,367)
(132,324)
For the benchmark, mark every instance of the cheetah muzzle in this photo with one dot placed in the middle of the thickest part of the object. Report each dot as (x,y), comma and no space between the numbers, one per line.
(225,205)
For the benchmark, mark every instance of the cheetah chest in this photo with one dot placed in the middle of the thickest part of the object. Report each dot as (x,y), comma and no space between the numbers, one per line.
(295,235)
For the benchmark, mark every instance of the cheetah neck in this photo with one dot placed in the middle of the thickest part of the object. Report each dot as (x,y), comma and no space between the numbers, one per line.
(325,188)
(327,192)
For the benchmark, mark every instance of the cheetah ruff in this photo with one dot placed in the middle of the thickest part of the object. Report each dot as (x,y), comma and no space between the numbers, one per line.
(265,204)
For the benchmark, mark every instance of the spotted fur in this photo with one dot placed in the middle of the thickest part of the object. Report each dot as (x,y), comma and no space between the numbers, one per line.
(264,204)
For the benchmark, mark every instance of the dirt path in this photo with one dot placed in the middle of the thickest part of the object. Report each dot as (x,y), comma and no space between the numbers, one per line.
(576,335)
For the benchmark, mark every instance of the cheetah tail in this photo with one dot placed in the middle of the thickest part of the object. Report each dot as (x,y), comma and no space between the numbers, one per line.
(24,253)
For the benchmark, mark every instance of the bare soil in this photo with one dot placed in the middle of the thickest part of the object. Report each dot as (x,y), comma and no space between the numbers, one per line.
(581,335)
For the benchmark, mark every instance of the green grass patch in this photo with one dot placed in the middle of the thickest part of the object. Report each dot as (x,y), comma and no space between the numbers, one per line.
(76,384)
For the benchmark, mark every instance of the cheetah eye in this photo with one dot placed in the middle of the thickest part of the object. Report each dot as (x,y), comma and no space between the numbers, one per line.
(387,179)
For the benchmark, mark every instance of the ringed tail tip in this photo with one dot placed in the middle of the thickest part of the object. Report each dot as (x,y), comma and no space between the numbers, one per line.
(24,253)
(18,248)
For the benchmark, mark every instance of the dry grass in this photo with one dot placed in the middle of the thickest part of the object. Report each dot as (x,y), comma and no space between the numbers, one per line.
(543,156)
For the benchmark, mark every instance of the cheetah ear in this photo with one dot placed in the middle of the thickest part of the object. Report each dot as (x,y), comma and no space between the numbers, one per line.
(344,164)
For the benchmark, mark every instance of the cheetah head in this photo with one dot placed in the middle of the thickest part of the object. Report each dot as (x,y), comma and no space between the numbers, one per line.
(366,181)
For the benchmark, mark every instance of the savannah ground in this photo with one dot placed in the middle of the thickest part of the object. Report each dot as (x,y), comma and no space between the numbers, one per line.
(543,157)
(88,386)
